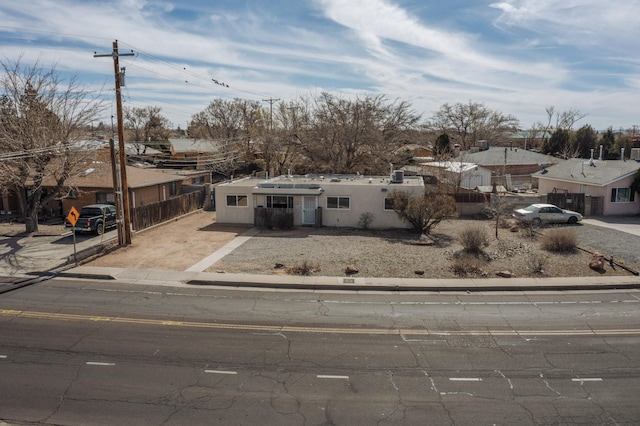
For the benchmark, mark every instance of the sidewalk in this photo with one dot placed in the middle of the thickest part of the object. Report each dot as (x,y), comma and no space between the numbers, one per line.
(191,279)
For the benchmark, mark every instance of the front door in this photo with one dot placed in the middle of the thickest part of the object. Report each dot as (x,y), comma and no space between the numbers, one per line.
(309,206)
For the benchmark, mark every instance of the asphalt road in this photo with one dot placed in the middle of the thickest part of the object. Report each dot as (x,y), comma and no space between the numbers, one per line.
(74,352)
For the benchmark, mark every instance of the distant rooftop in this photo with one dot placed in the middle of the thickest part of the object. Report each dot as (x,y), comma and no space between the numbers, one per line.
(592,172)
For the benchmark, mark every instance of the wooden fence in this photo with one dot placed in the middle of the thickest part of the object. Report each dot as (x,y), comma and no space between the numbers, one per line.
(273,218)
(568,200)
(146,216)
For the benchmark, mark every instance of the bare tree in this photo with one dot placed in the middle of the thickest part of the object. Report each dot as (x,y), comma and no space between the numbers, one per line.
(234,124)
(279,146)
(223,119)
(567,119)
(355,135)
(148,127)
(40,124)
(466,124)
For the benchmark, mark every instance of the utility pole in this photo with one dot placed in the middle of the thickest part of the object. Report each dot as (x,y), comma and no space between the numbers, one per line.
(271,101)
(126,212)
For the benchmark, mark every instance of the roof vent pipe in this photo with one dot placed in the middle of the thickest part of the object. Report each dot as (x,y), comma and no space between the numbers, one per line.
(622,154)
(600,158)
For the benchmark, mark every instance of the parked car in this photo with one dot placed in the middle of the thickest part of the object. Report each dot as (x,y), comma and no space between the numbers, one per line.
(95,218)
(546,213)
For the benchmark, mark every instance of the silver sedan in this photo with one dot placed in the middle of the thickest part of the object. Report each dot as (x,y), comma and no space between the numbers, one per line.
(546,213)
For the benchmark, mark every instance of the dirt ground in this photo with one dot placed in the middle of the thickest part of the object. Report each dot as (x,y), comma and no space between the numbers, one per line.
(175,245)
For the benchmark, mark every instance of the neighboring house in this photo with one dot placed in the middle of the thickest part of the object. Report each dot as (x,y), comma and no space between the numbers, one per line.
(192,152)
(458,174)
(508,160)
(331,200)
(95,185)
(608,180)
(141,152)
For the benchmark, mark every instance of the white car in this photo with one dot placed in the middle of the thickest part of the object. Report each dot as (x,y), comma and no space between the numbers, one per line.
(547,213)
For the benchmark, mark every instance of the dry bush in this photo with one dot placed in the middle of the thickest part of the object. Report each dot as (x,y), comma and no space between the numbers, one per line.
(306,268)
(536,263)
(560,239)
(473,238)
(467,265)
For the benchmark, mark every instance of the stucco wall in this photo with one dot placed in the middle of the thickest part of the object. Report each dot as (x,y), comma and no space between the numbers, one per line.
(609,208)
(364,197)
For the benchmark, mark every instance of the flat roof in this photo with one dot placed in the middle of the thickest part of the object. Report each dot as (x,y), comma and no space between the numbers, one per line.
(316,181)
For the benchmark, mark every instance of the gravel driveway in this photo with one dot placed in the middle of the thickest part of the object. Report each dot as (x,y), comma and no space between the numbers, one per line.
(621,245)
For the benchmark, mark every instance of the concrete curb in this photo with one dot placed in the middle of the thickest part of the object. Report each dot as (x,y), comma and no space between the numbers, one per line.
(181,278)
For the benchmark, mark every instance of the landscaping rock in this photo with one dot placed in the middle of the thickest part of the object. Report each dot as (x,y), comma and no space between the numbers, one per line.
(504,274)
(351,269)
(597,262)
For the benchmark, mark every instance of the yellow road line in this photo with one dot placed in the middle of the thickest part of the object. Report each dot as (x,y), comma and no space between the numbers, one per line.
(299,329)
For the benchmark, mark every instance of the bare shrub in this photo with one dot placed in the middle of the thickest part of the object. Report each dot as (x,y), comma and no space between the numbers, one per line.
(366,219)
(306,268)
(536,263)
(466,265)
(529,227)
(423,213)
(473,238)
(559,240)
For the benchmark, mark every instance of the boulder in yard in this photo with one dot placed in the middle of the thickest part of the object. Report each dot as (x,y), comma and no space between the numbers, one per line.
(351,269)
(597,262)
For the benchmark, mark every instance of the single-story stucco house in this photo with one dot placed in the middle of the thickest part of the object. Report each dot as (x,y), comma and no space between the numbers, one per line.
(607,180)
(314,200)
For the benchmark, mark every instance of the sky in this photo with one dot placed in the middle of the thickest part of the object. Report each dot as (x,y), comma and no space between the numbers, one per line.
(516,57)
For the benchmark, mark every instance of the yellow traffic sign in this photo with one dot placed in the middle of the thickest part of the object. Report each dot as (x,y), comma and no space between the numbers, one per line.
(73,216)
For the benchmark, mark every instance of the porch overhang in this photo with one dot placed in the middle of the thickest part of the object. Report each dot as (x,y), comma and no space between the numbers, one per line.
(288,191)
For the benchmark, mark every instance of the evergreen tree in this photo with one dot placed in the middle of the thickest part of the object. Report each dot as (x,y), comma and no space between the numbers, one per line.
(585,141)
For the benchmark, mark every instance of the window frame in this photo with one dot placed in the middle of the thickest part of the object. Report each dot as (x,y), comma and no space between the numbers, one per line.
(339,200)
(173,188)
(270,204)
(237,198)
(388,201)
(615,195)
(105,198)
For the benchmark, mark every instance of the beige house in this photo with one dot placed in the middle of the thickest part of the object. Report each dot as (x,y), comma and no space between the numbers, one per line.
(330,200)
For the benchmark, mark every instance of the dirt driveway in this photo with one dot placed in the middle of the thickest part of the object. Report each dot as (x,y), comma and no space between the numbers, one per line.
(175,245)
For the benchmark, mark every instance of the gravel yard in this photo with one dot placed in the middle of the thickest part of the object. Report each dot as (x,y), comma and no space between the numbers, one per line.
(328,251)
(179,244)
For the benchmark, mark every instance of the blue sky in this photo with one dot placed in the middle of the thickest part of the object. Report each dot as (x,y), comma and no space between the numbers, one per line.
(514,56)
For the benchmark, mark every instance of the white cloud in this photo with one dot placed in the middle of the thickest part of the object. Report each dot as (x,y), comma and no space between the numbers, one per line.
(512,55)
(579,23)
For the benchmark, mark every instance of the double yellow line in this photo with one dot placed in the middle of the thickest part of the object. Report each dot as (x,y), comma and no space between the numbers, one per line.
(52,316)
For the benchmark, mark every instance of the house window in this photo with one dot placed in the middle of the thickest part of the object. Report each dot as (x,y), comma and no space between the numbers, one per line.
(197,180)
(338,202)
(622,195)
(236,201)
(388,203)
(280,201)
(105,198)
(173,188)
